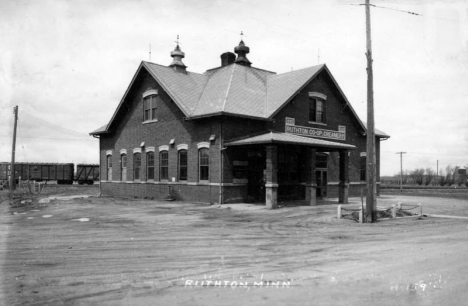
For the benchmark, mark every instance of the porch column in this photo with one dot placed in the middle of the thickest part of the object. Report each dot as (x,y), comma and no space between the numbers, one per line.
(271,182)
(343,186)
(311,185)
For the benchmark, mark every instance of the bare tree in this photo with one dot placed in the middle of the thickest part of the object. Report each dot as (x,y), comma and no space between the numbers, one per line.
(442,180)
(417,175)
(450,174)
(429,175)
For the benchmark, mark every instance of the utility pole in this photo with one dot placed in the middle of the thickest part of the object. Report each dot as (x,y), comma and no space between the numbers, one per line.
(437,175)
(13,148)
(401,169)
(371,194)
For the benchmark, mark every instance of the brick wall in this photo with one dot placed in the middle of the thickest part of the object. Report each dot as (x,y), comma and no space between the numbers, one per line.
(129,132)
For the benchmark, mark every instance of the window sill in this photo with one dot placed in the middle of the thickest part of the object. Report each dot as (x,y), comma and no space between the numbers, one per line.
(150,121)
(317,123)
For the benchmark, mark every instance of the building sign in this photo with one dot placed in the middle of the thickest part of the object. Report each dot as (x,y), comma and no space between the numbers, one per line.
(292,128)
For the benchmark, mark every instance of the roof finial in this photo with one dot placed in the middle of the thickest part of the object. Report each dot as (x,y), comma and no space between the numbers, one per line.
(178,55)
(242,51)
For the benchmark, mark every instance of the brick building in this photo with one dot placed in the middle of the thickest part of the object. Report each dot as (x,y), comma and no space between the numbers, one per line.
(235,133)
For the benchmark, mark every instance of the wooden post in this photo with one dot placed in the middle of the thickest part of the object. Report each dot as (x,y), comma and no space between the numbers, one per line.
(394,211)
(343,185)
(361,216)
(13,149)
(271,184)
(338,213)
(371,197)
(311,185)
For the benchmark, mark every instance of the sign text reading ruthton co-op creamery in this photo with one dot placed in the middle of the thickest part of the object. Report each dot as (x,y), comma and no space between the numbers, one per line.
(292,128)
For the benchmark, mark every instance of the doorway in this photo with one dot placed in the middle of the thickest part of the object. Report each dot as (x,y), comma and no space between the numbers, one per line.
(321,178)
(256,176)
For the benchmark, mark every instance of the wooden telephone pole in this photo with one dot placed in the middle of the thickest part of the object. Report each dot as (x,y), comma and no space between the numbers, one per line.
(371,201)
(401,169)
(12,166)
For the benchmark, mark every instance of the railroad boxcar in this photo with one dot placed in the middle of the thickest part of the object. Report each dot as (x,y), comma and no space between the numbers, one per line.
(62,173)
(87,174)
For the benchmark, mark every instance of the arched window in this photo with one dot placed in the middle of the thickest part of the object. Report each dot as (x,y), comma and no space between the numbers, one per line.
(318,107)
(123,167)
(363,160)
(150,165)
(150,105)
(183,163)
(204,164)
(163,165)
(137,166)
(109,167)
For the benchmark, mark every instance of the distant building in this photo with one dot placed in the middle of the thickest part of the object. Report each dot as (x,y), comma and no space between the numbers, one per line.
(235,133)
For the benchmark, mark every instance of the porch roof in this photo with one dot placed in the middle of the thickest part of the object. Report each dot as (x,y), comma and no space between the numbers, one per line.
(283,138)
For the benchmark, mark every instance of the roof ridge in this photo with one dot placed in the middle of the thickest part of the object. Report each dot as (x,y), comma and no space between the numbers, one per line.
(228,87)
(169,68)
(248,136)
(207,80)
(294,71)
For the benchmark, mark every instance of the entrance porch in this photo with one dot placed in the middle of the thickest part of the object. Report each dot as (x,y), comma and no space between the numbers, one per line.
(284,167)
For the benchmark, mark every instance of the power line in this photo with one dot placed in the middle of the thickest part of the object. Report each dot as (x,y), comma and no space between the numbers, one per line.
(55,127)
(435,154)
(394,9)
(52,138)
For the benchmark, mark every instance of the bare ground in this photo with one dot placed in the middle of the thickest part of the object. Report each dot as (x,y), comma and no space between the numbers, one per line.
(141,252)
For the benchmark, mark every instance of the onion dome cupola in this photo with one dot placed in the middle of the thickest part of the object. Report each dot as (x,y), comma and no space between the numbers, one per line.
(178,55)
(242,51)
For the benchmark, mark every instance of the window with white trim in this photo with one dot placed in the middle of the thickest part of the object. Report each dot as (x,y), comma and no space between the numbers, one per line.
(109,167)
(204,164)
(150,165)
(183,164)
(317,110)
(317,107)
(164,165)
(137,166)
(151,101)
(123,167)
(363,168)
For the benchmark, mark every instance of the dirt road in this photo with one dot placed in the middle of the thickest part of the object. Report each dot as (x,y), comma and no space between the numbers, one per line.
(108,251)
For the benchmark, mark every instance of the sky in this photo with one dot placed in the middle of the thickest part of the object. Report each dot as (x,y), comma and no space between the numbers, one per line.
(67,64)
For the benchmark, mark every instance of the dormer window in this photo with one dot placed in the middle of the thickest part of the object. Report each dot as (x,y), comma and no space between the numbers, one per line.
(317,108)
(150,105)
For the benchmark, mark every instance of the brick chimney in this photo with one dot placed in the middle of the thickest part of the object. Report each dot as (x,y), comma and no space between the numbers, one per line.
(227,58)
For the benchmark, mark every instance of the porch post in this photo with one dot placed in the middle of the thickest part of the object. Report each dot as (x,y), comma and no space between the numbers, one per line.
(311,185)
(343,187)
(271,183)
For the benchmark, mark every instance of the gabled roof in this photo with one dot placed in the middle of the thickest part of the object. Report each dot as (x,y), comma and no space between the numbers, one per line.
(234,90)
(284,138)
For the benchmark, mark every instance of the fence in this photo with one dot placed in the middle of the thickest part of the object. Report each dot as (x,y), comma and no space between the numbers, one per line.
(399,210)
